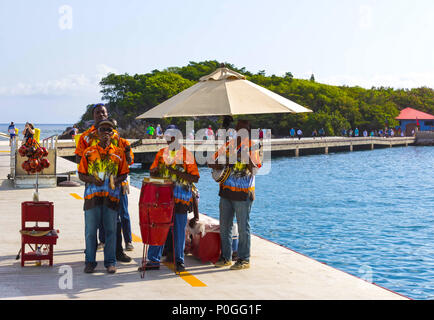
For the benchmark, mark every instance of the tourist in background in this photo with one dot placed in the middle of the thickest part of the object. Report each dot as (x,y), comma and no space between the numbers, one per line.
(159,132)
(314,133)
(365,133)
(299,134)
(292,133)
(150,131)
(321,132)
(344,132)
(28,132)
(11,131)
(350,132)
(356,132)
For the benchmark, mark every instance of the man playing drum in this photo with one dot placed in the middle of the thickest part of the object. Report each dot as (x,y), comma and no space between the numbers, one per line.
(175,162)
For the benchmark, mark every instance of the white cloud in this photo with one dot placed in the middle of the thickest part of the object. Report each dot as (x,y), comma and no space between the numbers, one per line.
(69,85)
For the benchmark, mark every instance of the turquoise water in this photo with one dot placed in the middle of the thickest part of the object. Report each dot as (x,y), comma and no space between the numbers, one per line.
(367,213)
(47,130)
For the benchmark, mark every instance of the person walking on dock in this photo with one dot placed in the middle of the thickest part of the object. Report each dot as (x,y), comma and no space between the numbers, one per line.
(237,194)
(103,167)
(11,131)
(299,134)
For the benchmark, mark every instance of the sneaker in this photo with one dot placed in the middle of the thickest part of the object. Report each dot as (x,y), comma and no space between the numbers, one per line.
(111,269)
(123,257)
(89,268)
(129,247)
(240,264)
(100,246)
(222,263)
(180,267)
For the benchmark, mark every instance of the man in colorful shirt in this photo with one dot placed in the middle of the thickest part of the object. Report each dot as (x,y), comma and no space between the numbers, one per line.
(103,167)
(90,138)
(175,162)
(237,193)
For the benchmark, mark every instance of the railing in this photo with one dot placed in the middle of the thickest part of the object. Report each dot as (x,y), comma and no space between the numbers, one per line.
(50,141)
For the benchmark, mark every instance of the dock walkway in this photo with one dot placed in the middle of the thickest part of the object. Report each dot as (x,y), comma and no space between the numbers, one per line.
(276,273)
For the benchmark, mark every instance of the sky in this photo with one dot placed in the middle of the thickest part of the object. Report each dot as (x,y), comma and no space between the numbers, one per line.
(54,53)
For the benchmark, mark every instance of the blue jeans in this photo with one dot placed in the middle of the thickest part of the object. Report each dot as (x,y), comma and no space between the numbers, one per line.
(92,220)
(155,252)
(124,220)
(240,209)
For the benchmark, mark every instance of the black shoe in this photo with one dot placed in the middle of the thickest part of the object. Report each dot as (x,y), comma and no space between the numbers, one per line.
(89,268)
(150,266)
(180,267)
(123,257)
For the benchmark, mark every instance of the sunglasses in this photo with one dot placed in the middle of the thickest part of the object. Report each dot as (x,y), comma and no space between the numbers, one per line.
(108,130)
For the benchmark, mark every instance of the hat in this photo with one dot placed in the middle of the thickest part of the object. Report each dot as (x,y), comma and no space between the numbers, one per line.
(109,122)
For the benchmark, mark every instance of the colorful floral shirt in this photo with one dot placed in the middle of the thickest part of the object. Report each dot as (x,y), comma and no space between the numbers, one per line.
(106,164)
(181,160)
(240,185)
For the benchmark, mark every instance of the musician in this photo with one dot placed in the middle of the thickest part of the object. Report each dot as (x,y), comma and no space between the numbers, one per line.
(103,167)
(175,162)
(89,138)
(237,194)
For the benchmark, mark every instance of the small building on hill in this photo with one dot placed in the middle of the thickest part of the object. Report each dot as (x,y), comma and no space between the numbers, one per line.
(410,119)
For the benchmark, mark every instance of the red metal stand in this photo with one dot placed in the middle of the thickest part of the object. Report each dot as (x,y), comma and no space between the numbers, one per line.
(37,212)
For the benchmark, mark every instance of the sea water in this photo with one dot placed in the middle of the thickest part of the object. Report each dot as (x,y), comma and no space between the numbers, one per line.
(368,213)
(47,130)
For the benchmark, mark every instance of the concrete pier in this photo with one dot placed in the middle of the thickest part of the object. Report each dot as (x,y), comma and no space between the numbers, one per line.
(145,153)
(276,272)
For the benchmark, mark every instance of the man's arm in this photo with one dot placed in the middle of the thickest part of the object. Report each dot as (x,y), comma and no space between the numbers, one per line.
(90,179)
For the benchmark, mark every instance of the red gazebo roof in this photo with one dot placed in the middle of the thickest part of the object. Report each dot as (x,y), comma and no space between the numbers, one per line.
(412,114)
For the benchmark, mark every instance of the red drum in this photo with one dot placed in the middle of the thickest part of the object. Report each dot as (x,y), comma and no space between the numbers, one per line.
(156,210)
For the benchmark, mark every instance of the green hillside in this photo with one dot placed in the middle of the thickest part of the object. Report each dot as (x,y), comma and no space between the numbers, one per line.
(335,107)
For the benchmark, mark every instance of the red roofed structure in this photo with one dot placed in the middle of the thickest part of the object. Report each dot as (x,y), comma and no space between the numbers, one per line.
(413,114)
(412,120)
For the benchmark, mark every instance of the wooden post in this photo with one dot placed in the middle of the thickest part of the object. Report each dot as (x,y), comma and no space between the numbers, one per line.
(297,152)
(326,150)
(372,146)
(351,147)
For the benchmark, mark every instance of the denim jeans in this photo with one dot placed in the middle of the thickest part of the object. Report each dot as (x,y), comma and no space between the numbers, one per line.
(155,252)
(123,220)
(92,219)
(240,209)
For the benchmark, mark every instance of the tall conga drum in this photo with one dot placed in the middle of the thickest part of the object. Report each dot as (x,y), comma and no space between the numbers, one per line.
(155,212)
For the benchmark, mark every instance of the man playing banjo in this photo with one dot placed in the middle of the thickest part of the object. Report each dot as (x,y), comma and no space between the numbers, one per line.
(237,193)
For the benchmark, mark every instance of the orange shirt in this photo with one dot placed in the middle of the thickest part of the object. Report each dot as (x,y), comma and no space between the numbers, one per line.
(181,160)
(102,163)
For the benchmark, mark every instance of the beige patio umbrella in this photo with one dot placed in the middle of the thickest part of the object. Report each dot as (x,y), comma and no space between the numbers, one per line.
(223,92)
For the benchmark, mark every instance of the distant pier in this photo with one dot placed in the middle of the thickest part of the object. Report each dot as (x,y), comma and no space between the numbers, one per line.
(287,146)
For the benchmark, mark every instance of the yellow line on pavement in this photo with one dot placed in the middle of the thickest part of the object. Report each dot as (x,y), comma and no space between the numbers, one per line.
(76,196)
(186,276)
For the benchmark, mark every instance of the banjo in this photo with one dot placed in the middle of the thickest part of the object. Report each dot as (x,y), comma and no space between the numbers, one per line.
(220,176)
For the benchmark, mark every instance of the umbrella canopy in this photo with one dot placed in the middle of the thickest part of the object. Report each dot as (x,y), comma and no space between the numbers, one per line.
(223,92)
